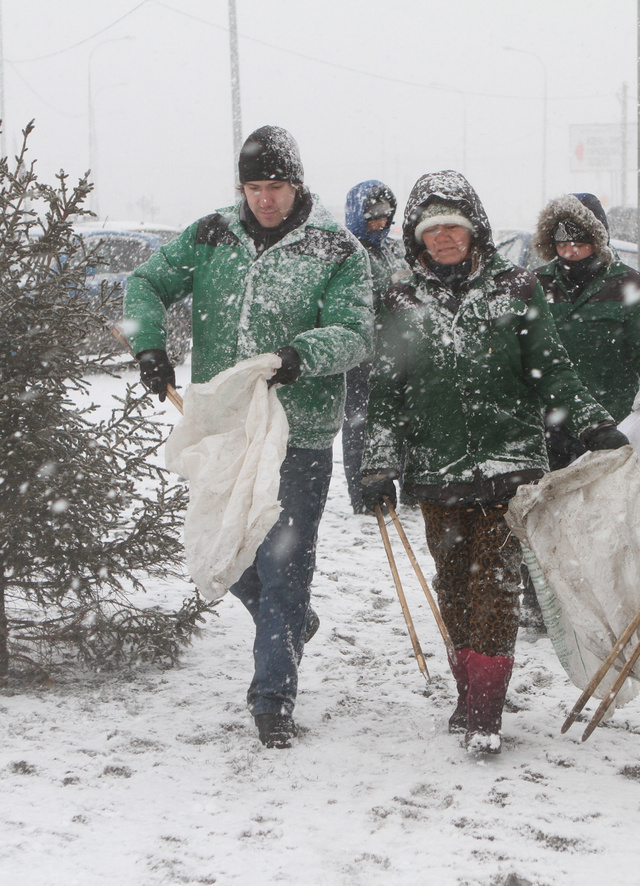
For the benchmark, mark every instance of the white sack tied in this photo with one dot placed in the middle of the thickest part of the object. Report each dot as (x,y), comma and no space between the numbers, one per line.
(229,445)
(580,532)
(630,426)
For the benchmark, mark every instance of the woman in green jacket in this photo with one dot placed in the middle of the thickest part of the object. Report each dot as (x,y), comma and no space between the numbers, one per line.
(595,301)
(276,273)
(467,354)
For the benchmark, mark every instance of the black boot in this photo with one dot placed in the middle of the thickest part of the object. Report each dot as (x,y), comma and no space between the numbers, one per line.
(459,669)
(276,730)
(311,624)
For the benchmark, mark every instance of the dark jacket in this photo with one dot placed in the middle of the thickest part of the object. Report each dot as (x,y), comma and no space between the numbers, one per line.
(599,320)
(460,378)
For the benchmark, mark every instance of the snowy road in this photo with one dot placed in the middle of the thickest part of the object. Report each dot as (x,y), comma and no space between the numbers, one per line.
(158,777)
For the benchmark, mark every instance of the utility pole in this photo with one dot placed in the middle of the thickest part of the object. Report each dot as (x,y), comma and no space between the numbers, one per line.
(235,82)
(3,122)
(623,146)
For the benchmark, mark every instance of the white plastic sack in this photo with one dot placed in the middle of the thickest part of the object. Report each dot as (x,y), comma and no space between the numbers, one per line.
(630,426)
(229,445)
(580,532)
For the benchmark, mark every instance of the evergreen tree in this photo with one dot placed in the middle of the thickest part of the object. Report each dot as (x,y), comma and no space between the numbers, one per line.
(86,513)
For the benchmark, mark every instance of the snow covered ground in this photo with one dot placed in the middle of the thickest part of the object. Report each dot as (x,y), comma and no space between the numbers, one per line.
(157,777)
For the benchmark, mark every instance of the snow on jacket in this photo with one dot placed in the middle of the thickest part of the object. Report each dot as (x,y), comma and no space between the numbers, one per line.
(600,326)
(462,381)
(311,290)
(385,255)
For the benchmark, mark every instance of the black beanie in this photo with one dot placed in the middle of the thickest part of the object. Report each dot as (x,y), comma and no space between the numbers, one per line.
(568,230)
(270,153)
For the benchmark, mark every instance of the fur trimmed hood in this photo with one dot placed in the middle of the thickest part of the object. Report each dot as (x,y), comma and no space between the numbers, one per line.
(583,209)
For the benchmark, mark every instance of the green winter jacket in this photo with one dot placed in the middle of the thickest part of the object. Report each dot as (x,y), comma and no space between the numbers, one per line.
(387,264)
(311,290)
(460,383)
(601,331)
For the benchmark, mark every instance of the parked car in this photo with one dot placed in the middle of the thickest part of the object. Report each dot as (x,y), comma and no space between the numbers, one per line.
(121,249)
(516,246)
(623,222)
(627,251)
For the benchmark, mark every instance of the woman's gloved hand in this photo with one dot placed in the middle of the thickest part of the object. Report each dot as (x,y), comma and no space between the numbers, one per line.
(604,437)
(374,492)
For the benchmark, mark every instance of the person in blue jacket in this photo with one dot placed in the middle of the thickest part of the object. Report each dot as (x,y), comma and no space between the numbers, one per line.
(369,214)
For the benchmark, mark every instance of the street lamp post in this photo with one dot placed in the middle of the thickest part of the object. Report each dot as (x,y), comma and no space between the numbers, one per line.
(544,115)
(235,80)
(93,199)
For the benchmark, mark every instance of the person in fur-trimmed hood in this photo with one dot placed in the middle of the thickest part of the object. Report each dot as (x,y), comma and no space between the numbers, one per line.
(467,354)
(595,302)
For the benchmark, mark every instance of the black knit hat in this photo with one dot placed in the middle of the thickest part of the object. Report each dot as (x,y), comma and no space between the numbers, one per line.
(595,206)
(270,153)
(567,230)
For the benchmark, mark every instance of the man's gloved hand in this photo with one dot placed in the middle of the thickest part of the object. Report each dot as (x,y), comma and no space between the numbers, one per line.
(373,493)
(604,437)
(290,369)
(156,372)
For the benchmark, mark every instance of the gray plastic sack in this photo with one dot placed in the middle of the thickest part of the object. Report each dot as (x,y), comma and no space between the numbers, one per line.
(580,532)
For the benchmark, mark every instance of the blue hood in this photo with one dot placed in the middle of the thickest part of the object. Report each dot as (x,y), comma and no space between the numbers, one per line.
(359,201)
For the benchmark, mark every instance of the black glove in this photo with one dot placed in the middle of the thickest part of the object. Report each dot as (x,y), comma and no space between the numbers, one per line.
(373,493)
(290,369)
(605,437)
(156,372)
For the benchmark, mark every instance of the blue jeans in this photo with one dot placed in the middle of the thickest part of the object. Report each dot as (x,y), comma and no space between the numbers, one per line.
(353,431)
(276,588)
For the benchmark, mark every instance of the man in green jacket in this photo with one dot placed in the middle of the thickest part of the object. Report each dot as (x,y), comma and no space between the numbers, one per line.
(275,273)
(595,302)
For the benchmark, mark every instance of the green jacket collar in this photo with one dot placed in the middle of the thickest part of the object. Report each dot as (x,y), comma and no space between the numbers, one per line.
(319,217)
(552,270)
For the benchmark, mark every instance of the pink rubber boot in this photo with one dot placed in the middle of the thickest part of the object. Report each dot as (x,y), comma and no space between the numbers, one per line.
(488,680)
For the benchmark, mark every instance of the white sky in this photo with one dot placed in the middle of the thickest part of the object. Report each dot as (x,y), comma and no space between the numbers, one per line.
(353,80)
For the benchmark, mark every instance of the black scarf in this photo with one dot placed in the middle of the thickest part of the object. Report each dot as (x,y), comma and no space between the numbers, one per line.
(578,274)
(453,276)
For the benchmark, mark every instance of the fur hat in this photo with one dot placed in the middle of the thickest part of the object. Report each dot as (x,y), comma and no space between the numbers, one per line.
(438,213)
(270,153)
(581,214)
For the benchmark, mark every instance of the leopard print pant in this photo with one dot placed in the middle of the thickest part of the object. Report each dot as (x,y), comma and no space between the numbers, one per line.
(478,575)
